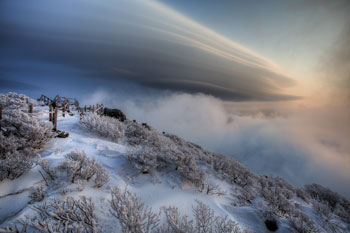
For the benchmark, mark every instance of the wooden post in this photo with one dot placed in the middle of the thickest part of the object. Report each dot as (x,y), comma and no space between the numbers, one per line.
(64,110)
(55,119)
(93,108)
(85,108)
(81,113)
(31,108)
(50,113)
(0,112)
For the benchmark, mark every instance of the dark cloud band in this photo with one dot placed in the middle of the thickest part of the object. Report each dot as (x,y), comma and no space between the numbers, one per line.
(138,41)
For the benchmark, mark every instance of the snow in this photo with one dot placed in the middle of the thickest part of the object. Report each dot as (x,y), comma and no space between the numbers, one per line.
(156,189)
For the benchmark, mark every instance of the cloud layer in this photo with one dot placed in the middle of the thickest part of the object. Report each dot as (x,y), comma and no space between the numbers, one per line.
(302,146)
(135,41)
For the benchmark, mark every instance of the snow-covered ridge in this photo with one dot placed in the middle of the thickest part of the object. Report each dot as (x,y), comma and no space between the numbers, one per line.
(124,168)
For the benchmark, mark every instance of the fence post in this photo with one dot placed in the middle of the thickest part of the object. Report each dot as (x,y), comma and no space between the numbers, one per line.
(55,119)
(31,108)
(85,108)
(0,112)
(64,110)
(50,113)
(93,108)
(81,113)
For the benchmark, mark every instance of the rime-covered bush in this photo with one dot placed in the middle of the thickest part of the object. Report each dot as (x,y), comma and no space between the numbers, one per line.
(203,221)
(175,222)
(29,130)
(13,100)
(157,152)
(277,193)
(101,178)
(37,195)
(301,223)
(336,203)
(44,164)
(133,215)
(212,188)
(81,167)
(233,171)
(21,135)
(105,126)
(68,215)
(14,165)
(166,155)
(138,134)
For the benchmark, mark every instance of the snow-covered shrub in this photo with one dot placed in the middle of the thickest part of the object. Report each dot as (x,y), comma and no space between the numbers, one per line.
(140,134)
(68,215)
(44,164)
(233,171)
(79,166)
(133,215)
(189,148)
(176,223)
(14,165)
(105,126)
(102,177)
(204,217)
(15,101)
(302,194)
(37,195)
(146,159)
(301,223)
(225,225)
(211,188)
(328,220)
(203,221)
(21,135)
(337,204)
(30,130)
(246,197)
(278,203)
(159,152)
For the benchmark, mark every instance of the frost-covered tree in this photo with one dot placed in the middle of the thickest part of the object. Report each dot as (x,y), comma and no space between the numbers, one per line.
(68,215)
(133,215)
(102,177)
(337,204)
(204,217)
(81,167)
(21,135)
(204,221)
(44,164)
(301,223)
(211,188)
(37,195)
(105,126)
(175,223)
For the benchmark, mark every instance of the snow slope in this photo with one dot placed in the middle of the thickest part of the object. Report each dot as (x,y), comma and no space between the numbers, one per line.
(157,189)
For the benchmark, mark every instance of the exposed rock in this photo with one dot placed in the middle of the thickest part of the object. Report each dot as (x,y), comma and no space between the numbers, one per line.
(146,126)
(116,113)
(62,134)
(271,225)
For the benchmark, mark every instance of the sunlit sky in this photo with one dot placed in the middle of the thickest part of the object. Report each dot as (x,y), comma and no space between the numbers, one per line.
(297,35)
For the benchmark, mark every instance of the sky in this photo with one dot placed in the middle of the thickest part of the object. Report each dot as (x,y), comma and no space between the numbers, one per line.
(266,82)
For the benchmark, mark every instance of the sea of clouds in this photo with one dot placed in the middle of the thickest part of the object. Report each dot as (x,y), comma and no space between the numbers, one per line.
(301,145)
